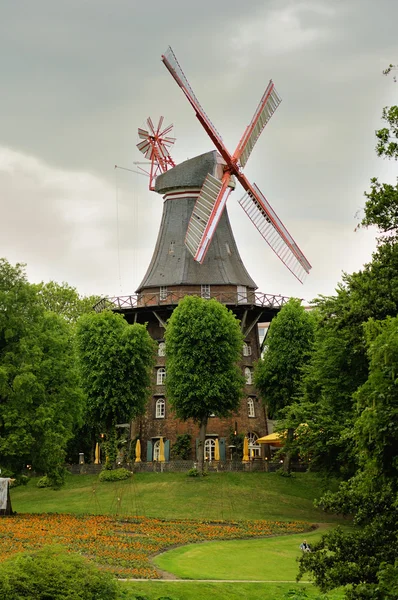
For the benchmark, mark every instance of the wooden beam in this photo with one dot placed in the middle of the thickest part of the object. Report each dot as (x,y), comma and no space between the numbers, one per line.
(243,321)
(254,322)
(162,323)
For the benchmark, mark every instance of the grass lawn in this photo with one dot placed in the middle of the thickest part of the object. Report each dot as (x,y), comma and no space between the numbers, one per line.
(189,590)
(220,496)
(272,559)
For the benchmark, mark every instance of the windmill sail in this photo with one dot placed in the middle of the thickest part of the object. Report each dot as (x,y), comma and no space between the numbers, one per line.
(205,216)
(268,105)
(267,222)
(171,63)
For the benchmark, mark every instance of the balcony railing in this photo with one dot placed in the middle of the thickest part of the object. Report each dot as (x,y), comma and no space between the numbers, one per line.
(149,299)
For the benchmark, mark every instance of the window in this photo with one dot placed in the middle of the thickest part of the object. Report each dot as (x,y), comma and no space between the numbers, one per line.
(161,376)
(161,408)
(156,450)
(162,349)
(248,376)
(210,446)
(242,294)
(250,407)
(205,291)
(254,448)
(163,292)
(247,349)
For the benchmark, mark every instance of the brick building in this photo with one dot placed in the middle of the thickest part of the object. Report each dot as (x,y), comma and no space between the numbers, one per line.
(173,274)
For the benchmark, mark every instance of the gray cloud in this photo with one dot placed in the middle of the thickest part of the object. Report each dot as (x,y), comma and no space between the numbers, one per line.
(79,77)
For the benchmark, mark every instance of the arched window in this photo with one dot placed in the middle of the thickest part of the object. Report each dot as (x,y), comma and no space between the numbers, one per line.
(210,446)
(254,448)
(156,450)
(162,349)
(161,376)
(247,349)
(248,375)
(160,408)
(250,407)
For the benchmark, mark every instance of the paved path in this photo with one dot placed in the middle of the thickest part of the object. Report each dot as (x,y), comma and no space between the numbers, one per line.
(219,581)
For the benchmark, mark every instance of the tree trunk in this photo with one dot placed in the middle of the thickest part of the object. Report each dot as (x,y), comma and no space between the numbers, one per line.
(288,456)
(201,446)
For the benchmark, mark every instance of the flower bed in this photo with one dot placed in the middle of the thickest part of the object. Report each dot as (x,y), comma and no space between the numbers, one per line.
(124,545)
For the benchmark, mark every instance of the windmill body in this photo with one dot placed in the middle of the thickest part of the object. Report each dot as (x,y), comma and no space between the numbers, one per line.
(196,253)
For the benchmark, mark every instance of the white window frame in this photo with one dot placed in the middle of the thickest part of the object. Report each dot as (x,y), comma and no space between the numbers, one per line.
(160,376)
(254,449)
(162,349)
(156,450)
(242,294)
(160,411)
(210,449)
(250,408)
(247,349)
(205,291)
(248,376)
(163,292)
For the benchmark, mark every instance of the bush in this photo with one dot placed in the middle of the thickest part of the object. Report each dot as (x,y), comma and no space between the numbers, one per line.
(19,480)
(53,573)
(114,475)
(44,482)
(182,447)
(193,472)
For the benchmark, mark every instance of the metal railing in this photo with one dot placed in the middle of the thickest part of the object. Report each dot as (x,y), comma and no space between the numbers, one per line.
(149,299)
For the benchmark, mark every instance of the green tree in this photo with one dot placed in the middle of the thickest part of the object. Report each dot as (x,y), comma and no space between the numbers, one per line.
(65,300)
(287,349)
(365,558)
(57,574)
(40,398)
(203,347)
(115,361)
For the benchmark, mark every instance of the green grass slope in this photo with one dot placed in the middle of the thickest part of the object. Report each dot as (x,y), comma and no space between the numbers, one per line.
(220,496)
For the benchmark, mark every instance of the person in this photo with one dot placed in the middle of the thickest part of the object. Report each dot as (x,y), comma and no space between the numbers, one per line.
(305,547)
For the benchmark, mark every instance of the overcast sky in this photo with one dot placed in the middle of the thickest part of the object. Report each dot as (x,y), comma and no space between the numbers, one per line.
(78,77)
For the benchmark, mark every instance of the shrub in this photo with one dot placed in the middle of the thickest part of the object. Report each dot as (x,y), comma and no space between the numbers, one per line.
(19,480)
(53,573)
(193,472)
(44,482)
(114,475)
(182,447)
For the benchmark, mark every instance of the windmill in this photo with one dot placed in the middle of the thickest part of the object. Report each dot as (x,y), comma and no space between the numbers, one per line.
(214,194)
(155,146)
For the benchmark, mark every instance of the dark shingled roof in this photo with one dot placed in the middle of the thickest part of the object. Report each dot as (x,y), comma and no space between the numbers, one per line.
(171,263)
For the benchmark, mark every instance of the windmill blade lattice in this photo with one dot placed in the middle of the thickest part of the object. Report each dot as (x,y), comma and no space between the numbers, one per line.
(267,222)
(268,105)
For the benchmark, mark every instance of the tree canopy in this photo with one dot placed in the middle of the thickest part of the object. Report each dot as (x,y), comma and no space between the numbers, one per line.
(40,398)
(115,361)
(203,346)
(364,315)
(287,349)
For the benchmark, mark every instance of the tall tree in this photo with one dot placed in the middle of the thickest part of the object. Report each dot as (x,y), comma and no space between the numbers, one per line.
(287,349)
(40,398)
(115,361)
(365,558)
(65,300)
(203,347)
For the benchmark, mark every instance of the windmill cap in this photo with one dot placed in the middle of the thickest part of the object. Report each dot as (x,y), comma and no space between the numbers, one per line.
(189,174)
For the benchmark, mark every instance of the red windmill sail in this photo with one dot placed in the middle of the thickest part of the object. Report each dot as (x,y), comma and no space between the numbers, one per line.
(214,194)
